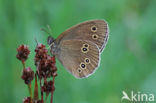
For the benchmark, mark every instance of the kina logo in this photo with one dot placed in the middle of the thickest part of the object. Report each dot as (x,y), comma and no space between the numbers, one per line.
(137,97)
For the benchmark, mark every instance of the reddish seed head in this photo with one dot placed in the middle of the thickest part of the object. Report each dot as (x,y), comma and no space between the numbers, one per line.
(47,87)
(45,68)
(54,69)
(41,53)
(27,75)
(27,100)
(54,74)
(22,53)
(53,59)
(45,63)
(37,101)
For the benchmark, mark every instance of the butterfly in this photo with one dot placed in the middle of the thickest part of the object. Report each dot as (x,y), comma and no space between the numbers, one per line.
(79,47)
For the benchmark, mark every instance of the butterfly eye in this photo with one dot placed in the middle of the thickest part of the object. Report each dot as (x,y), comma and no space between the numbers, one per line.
(82,65)
(94,36)
(87,60)
(93,28)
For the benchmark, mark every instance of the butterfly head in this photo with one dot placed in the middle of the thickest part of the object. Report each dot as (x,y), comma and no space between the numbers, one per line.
(50,40)
(52,43)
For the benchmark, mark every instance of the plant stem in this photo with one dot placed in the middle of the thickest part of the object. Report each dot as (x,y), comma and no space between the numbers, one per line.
(23,64)
(30,92)
(36,88)
(46,97)
(52,91)
(41,92)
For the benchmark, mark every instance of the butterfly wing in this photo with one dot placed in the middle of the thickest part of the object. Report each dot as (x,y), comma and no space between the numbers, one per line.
(81,58)
(95,31)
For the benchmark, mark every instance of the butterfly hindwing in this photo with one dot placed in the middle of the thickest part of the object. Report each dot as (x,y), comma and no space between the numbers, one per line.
(79,57)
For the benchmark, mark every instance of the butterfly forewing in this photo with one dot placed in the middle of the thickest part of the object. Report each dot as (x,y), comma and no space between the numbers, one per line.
(79,57)
(95,31)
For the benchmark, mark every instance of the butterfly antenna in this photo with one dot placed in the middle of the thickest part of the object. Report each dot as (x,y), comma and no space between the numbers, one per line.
(36,41)
(49,31)
(42,29)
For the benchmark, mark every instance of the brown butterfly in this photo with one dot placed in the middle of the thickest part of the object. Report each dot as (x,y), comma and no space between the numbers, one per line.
(79,47)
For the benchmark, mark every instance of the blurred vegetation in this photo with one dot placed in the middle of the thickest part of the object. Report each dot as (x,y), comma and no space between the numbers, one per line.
(127,63)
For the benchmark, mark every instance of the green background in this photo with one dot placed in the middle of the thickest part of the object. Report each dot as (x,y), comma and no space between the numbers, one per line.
(128,62)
